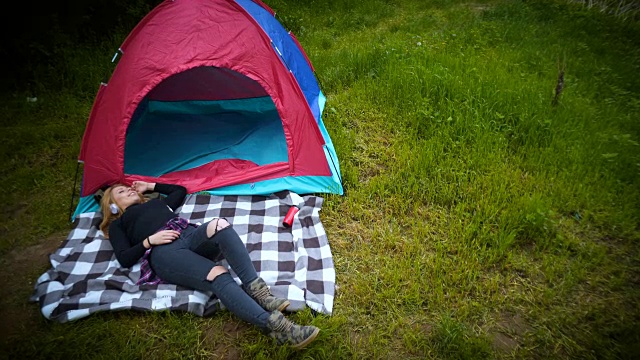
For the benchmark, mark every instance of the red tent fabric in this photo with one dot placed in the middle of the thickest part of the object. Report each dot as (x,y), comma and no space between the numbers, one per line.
(181,35)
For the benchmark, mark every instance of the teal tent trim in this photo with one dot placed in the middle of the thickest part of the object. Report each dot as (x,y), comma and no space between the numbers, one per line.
(298,185)
(86,204)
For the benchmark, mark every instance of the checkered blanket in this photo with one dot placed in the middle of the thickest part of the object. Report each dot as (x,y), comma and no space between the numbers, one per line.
(296,262)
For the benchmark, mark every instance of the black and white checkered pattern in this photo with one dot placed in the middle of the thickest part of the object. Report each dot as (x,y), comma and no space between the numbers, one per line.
(296,262)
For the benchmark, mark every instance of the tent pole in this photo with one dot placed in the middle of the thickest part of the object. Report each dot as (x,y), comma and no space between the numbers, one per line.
(337,172)
(73,193)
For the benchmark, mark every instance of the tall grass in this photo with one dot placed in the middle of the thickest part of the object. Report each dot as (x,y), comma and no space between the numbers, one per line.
(625,9)
(480,221)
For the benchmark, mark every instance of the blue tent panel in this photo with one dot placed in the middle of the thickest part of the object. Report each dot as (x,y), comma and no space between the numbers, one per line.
(292,56)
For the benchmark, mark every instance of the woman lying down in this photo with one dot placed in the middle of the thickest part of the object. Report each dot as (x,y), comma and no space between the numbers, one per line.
(174,251)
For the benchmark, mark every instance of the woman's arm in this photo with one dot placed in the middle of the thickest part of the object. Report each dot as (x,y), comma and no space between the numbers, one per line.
(126,254)
(175,193)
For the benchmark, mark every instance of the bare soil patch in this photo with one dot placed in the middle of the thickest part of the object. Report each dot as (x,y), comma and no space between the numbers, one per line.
(510,332)
(225,338)
(22,267)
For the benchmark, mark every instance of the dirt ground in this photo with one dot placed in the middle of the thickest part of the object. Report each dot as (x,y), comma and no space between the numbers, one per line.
(22,267)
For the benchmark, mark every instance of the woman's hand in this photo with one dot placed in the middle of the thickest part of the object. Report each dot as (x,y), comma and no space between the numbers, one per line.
(163,237)
(142,186)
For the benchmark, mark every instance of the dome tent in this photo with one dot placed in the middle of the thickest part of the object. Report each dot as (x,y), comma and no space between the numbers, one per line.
(214,95)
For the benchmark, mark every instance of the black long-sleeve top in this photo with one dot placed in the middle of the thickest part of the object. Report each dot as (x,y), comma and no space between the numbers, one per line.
(142,220)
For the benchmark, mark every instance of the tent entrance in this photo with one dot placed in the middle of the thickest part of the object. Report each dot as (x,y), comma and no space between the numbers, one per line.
(169,132)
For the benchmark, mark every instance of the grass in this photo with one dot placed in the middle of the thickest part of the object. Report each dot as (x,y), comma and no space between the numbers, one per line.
(479,220)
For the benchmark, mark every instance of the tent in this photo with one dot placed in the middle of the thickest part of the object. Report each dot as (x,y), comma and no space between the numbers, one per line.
(214,95)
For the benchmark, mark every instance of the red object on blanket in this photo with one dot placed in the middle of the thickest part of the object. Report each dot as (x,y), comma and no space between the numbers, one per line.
(288,219)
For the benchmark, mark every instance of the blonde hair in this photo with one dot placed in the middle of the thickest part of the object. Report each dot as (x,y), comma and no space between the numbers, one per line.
(105,206)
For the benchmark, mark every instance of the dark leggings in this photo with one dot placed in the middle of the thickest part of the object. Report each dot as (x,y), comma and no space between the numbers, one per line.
(188,260)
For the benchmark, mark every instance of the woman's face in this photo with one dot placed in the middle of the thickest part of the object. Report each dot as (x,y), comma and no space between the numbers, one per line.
(125,196)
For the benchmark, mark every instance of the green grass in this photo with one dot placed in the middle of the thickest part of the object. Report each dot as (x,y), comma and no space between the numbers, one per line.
(479,220)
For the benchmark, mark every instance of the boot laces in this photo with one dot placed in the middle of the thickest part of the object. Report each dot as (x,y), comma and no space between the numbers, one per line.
(283,324)
(261,293)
